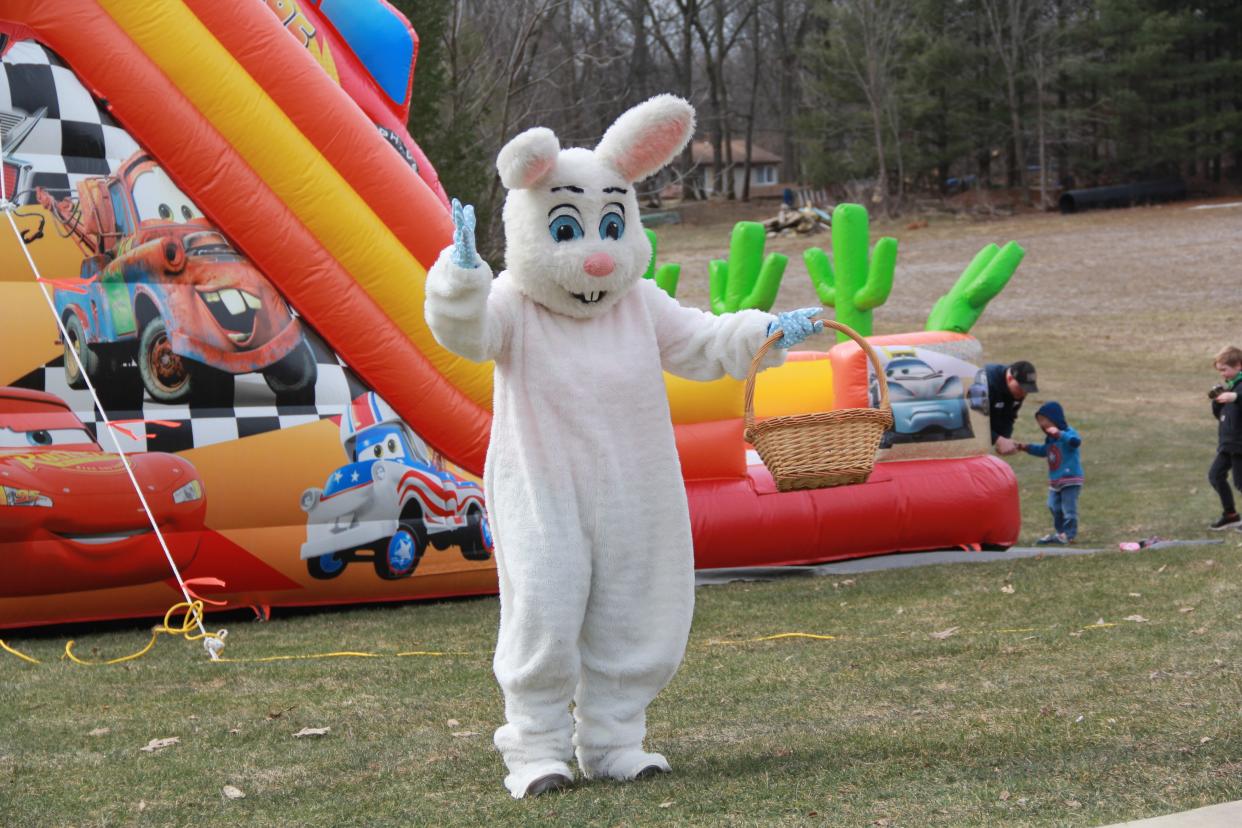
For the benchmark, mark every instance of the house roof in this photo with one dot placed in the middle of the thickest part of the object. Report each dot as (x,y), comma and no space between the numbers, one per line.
(701,151)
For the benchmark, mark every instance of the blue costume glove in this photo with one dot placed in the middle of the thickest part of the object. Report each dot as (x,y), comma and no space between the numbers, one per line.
(796,325)
(464,252)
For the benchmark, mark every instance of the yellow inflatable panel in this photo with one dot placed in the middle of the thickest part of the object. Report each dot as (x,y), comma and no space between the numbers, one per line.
(701,402)
(801,387)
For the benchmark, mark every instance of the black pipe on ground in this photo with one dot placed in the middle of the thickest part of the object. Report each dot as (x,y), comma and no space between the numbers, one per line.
(1122,195)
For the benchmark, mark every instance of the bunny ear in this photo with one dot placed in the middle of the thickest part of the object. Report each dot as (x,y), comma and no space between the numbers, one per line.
(527,158)
(647,137)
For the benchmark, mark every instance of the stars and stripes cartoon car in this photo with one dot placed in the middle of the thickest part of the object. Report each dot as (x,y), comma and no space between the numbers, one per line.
(70,520)
(389,502)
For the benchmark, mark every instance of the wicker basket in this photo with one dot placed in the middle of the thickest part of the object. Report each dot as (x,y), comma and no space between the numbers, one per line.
(816,451)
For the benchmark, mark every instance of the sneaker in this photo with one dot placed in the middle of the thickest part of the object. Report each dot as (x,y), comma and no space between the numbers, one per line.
(1051,539)
(1225,521)
(1066,539)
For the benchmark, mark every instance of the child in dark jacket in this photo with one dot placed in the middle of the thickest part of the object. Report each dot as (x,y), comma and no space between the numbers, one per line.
(1227,409)
(1060,446)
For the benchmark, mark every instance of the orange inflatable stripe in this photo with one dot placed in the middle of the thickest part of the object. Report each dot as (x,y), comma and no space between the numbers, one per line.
(352,145)
(711,450)
(229,191)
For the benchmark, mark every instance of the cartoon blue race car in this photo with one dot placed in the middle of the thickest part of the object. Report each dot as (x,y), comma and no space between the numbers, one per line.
(927,404)
(390,502)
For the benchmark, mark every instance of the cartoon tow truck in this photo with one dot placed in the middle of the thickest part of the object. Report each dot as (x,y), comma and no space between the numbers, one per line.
(928,403)
(160,285)
(69,517)
(389,502)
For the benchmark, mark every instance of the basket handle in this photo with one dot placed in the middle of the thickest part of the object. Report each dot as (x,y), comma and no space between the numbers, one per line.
(829,324)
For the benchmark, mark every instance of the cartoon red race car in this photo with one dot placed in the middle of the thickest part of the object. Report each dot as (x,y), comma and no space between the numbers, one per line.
(160,285)
(389,502)
(69,517)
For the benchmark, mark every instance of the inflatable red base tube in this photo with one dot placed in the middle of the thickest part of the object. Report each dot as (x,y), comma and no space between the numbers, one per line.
(904,506)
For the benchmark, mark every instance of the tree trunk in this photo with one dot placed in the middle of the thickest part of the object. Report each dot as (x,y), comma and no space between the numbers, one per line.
(881,187)
(750,113)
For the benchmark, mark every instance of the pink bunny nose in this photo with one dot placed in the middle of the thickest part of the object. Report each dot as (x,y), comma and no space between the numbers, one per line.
(598,264)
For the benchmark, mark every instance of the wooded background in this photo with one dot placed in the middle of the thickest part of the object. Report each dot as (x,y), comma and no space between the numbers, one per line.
(878,100)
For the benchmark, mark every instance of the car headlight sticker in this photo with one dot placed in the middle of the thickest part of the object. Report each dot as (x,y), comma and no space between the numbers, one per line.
(10,496)
(189,492)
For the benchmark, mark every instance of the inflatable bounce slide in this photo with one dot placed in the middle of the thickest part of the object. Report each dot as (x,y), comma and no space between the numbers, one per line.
(213,256)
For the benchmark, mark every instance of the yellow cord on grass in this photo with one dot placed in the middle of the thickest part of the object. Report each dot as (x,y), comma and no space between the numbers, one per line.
(263,659)
(193,614)
(22,656)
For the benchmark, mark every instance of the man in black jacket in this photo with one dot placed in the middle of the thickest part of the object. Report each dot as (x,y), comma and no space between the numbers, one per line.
(1008,386)
(1225,407)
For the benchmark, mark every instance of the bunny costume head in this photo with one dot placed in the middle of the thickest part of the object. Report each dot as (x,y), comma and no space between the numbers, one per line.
(573,240)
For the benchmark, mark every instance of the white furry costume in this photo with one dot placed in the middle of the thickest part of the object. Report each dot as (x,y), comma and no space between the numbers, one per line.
(585,493)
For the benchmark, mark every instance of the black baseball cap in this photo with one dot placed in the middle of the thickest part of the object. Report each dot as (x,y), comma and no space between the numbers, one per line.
(1023,373)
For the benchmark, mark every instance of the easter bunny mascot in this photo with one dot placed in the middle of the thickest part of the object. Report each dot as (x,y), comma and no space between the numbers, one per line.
(584,489)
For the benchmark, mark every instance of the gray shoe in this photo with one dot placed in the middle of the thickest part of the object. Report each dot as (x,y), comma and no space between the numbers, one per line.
(547,783)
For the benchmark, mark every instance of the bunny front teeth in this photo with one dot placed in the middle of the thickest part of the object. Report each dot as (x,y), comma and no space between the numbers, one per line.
(590,297)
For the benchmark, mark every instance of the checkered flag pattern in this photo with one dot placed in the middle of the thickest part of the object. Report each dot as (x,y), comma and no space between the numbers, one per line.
(160,427)
(54,132)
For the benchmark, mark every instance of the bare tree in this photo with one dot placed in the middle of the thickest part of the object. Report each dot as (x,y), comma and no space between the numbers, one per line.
(865,36)
(494,67)
(717,46)
(673,29)
(792,24)
(1044,60)
(1010,23)
(756,44)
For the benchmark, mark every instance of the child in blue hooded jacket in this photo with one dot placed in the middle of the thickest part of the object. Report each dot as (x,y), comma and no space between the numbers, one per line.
(1060,446)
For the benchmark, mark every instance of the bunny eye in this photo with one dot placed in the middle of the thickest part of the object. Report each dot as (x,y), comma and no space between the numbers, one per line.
(611,226)
(565,228)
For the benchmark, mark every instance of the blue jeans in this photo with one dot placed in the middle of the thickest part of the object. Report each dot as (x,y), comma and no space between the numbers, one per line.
(1063,503)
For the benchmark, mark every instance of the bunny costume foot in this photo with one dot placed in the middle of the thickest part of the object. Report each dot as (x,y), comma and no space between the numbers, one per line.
(538,778)
(584,488)
(547,784)
(624,765)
